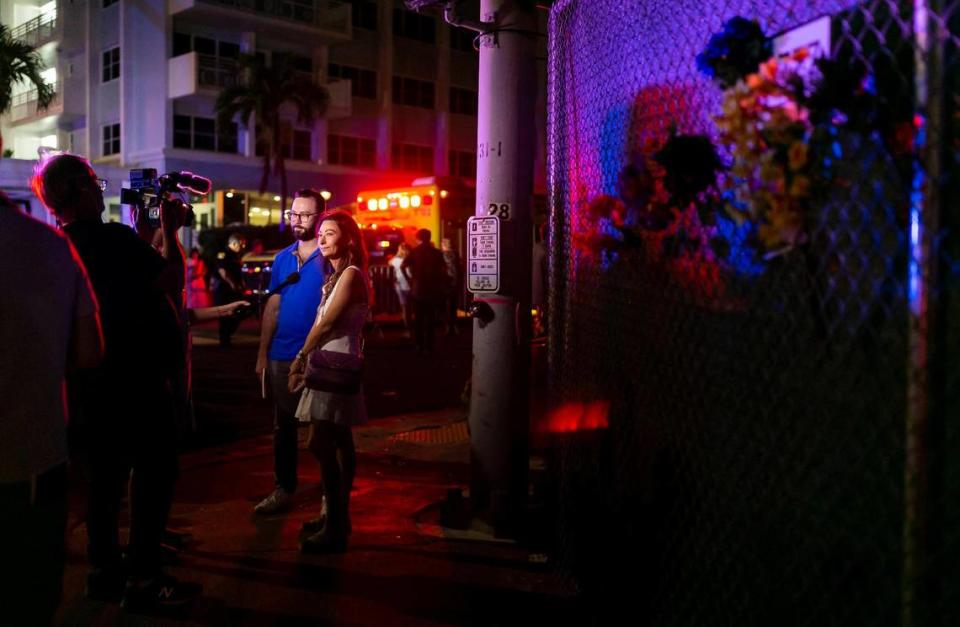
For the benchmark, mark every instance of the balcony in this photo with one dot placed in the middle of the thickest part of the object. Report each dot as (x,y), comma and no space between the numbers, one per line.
(36,32)
(193,73)
(305,21)
(341,100)
(23,107)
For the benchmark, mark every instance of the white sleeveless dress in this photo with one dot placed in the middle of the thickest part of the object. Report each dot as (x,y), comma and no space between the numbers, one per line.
(346,337)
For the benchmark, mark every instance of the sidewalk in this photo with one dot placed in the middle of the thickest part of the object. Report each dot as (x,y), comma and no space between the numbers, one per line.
(400,569)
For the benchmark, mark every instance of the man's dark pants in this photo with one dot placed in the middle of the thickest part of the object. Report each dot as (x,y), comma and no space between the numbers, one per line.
(425,322)
(284,426)
(33,520)
(228,324)
(131,439)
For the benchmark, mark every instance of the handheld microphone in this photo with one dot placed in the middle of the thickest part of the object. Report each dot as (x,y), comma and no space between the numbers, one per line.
(195,183)
(292,278)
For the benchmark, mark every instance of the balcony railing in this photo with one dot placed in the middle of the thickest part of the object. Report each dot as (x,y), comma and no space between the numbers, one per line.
(37,31)
(216,72)
(329,15)
(24,105)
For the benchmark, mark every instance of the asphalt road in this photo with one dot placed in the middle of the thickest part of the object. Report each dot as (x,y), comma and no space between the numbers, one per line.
(397,380)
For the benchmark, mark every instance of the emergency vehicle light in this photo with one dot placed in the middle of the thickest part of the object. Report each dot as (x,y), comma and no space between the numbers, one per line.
(415,201)
(372,204)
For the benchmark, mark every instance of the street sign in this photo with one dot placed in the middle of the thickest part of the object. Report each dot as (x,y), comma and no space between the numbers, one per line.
(483,254)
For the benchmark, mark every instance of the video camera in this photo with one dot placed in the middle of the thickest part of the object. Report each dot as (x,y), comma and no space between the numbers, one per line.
(148,191)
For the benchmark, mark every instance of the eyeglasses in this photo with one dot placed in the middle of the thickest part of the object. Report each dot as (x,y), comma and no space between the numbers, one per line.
(101,183)
(298,217)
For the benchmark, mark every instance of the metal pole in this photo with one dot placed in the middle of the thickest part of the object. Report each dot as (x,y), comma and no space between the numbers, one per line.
(499,402)
(923,406)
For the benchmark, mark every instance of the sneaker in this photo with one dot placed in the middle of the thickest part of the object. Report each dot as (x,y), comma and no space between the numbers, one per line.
(278,501)
(159,593)
(323,542)
(317,524)
(105,584)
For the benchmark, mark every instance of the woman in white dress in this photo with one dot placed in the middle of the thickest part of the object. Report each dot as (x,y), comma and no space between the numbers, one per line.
(338,328)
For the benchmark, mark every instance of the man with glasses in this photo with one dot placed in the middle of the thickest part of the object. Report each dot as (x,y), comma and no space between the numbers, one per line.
(124,424)
(287,318)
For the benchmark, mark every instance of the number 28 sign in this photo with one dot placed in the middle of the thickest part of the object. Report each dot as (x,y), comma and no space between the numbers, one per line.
(499,209)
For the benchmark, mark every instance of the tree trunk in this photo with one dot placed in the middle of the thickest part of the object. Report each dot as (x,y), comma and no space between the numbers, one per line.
(282,166)
(265,175)
(279,168)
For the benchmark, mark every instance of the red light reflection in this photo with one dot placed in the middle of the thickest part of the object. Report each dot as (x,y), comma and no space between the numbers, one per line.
(577,416)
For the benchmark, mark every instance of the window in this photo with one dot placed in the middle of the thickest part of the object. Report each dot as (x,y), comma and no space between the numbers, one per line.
(462,39)
(463,101)
(203,134)
(227,138)
(182,43)
(111,64)
(228,50)
(463,164)
(355,151)
(412,92)
(111,139)
(107,3)
(364,14)
(205,45)
(363,82)
(412,157)
(301,145)
(182,131)
(414,26)
(301,63)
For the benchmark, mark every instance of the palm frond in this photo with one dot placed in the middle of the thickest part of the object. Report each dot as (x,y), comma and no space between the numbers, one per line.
(20,62)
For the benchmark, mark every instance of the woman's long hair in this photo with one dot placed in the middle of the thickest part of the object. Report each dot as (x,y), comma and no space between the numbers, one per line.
(352,239)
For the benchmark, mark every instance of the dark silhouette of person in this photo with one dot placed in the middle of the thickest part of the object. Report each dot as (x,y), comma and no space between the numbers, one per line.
(49,325)
(125,408)
(229,284)
(427,272)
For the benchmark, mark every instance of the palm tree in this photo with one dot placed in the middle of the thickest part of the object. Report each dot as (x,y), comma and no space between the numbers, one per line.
(263,93)
(20,62)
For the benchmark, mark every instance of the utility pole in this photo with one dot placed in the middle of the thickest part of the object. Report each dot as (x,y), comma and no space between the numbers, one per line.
(506,150)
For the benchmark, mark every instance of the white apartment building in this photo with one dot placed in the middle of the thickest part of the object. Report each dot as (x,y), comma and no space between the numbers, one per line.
(136,83)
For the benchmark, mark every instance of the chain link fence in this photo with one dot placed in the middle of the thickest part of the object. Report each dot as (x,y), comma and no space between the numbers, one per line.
(754,468)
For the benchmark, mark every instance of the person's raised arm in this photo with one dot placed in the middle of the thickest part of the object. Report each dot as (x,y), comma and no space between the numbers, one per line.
(171,279)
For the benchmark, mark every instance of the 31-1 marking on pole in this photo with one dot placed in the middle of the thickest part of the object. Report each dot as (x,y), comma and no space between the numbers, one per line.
(499,209)
(483,254)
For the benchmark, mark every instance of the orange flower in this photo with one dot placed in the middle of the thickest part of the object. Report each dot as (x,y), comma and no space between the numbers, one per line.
(768,69)
(797,155)
(800,187)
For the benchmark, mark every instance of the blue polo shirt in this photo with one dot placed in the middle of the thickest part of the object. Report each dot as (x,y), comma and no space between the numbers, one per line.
(298,302)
